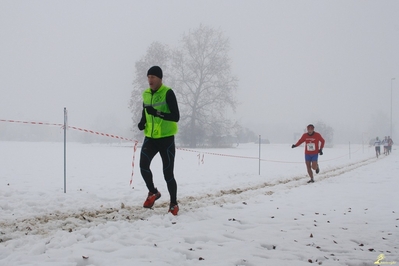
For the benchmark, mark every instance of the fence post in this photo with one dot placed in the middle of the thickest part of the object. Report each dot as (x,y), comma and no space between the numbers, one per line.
(349,150)
(259,151)
(65,128)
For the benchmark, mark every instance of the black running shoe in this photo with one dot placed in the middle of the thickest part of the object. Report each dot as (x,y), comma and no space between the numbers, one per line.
(311,180)
(317,169)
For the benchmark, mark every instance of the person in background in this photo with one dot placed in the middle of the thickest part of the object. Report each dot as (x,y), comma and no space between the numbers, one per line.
(314,144)
(377,144)
(385,143)
(390,143)
(159,119)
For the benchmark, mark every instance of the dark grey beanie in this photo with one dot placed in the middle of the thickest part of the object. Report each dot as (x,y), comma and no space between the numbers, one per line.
(155,71)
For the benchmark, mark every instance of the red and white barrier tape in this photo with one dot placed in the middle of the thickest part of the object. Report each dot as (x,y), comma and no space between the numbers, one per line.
(136,142)
(134,156)
(199,158)
(83,130)
(101,134)
(72,127)
(32,123)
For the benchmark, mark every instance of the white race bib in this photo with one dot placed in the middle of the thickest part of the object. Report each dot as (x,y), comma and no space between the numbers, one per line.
(311,146)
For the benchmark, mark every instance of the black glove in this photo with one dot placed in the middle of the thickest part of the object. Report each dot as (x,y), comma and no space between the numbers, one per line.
(321,151)
(141,126)
(293,146)
(151,110)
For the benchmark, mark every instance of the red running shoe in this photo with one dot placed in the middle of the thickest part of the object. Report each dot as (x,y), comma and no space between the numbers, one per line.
(174,209)
(151,198)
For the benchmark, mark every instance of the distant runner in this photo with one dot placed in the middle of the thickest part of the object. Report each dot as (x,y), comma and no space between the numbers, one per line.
(390,143)
(377,144)
(314,144)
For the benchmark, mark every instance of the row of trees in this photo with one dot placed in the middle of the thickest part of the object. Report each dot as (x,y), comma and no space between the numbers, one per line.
(326,131)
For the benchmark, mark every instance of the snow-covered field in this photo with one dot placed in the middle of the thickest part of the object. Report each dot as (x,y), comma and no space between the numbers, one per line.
(229,213)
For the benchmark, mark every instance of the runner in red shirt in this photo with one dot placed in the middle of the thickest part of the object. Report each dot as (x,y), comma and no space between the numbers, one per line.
(314,144)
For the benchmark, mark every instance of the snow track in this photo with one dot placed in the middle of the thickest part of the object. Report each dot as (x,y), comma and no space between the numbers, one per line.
(71,221)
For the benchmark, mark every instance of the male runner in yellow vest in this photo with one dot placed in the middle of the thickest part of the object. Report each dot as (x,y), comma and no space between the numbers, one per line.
(159,121)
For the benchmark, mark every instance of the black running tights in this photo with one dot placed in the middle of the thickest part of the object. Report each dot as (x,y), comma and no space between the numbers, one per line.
(166,148)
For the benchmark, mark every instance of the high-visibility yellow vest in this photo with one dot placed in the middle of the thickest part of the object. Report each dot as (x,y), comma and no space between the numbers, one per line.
(157,127)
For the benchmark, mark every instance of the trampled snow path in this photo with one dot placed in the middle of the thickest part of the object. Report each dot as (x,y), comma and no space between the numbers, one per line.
(230,213)
(44,224)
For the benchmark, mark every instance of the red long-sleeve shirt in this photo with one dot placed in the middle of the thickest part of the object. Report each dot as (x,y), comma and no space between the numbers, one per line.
(313,143)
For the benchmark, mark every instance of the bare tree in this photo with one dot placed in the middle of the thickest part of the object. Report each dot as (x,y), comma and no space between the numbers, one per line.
(199,73)
(204,86)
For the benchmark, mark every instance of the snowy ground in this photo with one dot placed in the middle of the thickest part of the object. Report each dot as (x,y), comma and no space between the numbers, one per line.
(229,213)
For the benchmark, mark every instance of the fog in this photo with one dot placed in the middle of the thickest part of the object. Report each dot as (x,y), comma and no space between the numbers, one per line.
(298,62)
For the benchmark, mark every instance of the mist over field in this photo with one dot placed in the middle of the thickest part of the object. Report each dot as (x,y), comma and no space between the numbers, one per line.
(297,62)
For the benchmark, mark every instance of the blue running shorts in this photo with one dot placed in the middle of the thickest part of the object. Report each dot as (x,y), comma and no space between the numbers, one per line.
(311,157)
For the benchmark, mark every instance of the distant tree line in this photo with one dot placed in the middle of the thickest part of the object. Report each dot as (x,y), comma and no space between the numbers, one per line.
(326,132)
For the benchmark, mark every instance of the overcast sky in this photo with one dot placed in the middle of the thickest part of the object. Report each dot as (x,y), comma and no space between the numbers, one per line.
(297,61)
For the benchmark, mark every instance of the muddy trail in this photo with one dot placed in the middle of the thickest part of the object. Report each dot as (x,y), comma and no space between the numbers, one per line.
(45,224)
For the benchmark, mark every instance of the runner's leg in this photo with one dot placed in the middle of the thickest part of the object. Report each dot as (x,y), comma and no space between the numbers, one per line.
(148,151)
(167,152)
(309,169)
